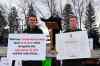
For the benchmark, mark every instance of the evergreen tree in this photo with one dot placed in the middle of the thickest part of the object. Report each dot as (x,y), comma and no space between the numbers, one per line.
(90,18)
(13,20)
(90,25)
(67,12)
(3,22)
(3,31)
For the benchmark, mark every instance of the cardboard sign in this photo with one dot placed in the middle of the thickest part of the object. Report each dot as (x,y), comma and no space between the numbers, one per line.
(26,47)
(72,45)
(91,43)
(5,62)
(18,63)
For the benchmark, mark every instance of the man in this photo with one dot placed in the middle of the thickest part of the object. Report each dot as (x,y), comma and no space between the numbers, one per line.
(33,28)
(32,25)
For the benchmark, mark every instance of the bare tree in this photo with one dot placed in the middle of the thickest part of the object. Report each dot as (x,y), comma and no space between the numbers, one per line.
(52,6)
(48,3)
(61,10)
(79,8)
(24,4)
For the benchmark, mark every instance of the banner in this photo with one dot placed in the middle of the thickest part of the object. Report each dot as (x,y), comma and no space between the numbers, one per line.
(72,45)
(26,47)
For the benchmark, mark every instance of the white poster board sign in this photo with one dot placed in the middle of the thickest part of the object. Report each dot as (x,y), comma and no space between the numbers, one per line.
(5,62)
(91,43)
(72,45)
(18,63)
(26,47)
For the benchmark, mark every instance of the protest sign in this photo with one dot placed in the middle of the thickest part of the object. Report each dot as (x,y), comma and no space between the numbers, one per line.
(26,47)
(91,43)
(5,61)
(72,45)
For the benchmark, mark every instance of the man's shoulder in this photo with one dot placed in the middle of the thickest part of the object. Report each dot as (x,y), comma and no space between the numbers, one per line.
(36,31)
(39,30)
(25,31)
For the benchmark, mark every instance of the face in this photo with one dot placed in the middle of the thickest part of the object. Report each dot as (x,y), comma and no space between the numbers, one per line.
(32,21)
(73,23)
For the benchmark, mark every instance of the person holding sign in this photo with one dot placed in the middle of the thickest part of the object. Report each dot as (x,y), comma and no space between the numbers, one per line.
(32,27)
